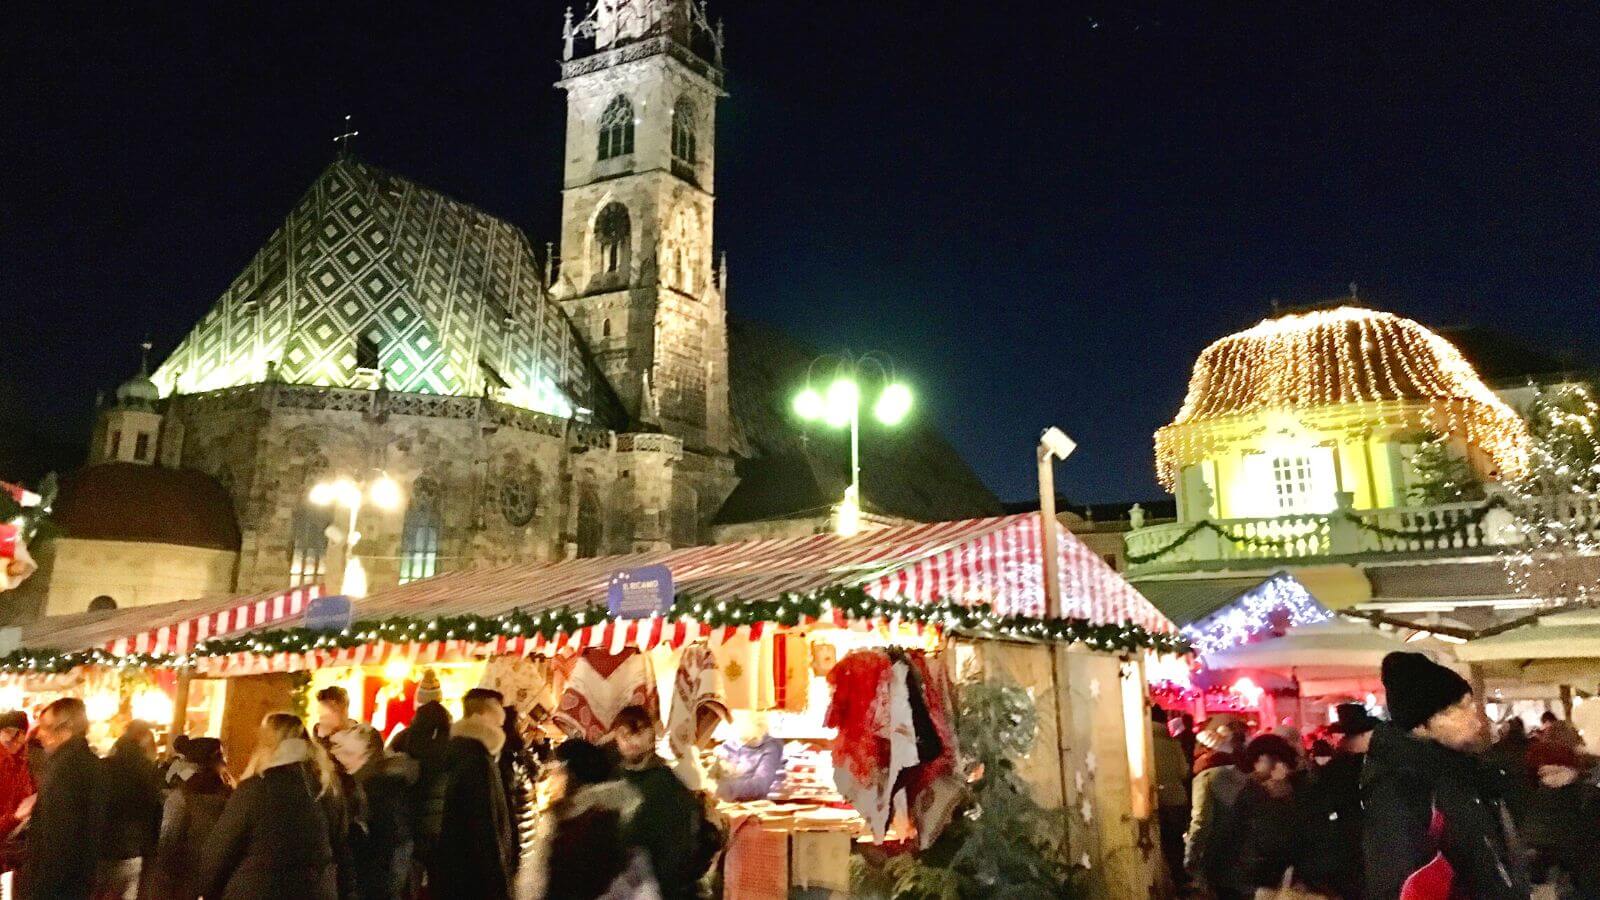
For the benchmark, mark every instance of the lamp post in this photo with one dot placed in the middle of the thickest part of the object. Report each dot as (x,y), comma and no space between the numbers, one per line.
(382,492)
(1053,445)
(839,406)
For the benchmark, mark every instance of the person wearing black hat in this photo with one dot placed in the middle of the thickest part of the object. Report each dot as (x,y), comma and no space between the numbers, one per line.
(190,812)
(1435,821)
(1330,808)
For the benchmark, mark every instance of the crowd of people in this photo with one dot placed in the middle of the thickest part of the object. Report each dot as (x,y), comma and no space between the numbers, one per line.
(329,810)
(1419,806)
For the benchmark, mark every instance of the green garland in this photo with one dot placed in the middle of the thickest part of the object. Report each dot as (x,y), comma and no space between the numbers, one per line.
(1457,529)
(789,609)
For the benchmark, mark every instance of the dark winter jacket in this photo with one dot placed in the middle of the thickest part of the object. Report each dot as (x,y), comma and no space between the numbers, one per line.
(1215,847)
(668,827)
(1422,801)
(381,845)
(191,812)
(580,851)
(271,841)
(133,803)
(1328,832)
(427,792)
(68,819)
(343,812)
(1561,830)
(476,844)
(1267,825)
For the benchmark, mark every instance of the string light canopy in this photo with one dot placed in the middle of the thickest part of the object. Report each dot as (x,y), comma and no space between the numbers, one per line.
(1331,358)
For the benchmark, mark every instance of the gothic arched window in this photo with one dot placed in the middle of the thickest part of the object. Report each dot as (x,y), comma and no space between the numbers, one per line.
(612,235)
(683,136)
(419,535)
(308,556)
(616,128)
(680,251)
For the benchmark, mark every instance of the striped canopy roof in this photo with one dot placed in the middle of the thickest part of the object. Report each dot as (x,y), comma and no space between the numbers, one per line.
(165,628)
(994,561)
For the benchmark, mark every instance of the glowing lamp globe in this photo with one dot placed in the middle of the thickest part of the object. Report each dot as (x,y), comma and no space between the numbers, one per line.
(385,493)
(893,405)
(323,494)
(809,405)
(843,399)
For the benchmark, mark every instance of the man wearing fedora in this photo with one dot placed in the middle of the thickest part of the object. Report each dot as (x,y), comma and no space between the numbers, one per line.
(1331,808)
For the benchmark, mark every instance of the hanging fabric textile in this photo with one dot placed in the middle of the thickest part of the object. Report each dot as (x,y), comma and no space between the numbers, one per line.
(698,703)
(603,684)
(933,790)
(746,667)
(525,683)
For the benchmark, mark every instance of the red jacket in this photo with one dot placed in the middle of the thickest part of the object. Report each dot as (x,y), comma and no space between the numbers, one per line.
(16,785)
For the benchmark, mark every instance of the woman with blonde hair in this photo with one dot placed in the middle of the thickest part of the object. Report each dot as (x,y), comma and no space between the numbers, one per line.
(272,840)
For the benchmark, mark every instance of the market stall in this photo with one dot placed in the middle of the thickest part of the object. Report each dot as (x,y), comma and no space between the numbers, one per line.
(760,649)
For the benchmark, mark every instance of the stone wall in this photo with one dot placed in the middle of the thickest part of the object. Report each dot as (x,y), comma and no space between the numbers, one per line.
(508,485)
(133,574)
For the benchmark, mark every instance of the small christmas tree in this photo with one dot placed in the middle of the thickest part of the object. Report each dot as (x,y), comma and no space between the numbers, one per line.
(1442,475)
(1005,845)
(1556,558)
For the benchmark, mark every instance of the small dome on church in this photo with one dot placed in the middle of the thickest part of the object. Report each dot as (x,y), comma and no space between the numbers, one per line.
(122,501)
(1341,356)
(138,390)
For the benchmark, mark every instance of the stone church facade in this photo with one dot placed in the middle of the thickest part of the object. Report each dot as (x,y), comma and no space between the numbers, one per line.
(530,408)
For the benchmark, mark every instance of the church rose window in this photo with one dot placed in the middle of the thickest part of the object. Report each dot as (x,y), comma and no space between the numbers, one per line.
(419,535)
(612,233)
(518,501)
(616,129)
(683,138)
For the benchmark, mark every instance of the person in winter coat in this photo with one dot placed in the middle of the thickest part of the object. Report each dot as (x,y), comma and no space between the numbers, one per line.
(581,850)
(1330,809)
(1214,846)
(426,741)
(670,824)
(69,815)
(272,841)
(191,811)
(1435,821)
(17,790)
(1562,820)
(1266,815)
(133,812)
(1172,793)
(477,844)
(381,846)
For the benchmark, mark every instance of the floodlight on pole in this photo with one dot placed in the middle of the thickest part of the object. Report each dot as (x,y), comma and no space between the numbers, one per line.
(839,406)
(1053,445)
(382,491)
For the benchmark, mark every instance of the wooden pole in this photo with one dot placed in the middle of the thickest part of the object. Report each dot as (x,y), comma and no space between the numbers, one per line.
(180,706)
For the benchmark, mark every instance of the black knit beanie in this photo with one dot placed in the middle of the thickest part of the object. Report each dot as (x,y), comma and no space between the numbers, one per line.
(1418,687)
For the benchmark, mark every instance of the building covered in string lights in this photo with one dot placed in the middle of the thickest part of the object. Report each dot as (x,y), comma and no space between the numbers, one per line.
(1313,443)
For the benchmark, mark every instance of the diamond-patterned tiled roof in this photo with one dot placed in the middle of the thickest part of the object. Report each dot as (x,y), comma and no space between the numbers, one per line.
(447,293)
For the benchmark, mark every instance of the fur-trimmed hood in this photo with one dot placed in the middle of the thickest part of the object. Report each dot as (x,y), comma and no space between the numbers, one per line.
(615,796)
(493,739)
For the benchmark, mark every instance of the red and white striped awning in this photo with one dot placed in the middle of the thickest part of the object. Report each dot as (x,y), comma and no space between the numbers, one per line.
(167,628)
(996,561)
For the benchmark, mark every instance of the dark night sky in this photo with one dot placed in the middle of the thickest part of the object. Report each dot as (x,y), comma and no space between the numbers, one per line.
(1042,210)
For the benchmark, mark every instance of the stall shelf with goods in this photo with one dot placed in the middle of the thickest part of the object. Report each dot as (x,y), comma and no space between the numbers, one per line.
(743,644)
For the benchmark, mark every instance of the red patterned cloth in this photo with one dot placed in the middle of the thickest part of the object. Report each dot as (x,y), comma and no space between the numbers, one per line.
(698,703)
(860,711)
(602,685)
(932,790)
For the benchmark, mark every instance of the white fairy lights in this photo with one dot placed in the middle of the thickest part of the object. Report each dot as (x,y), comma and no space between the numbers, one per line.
(1328,358)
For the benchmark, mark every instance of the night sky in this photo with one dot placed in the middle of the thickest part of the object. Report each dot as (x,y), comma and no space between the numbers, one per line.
(1042,210)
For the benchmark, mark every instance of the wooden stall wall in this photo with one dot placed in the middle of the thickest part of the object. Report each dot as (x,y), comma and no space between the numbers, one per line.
(249,700)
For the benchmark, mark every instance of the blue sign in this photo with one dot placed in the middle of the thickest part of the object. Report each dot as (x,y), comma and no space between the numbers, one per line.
(329,614)
(639,593)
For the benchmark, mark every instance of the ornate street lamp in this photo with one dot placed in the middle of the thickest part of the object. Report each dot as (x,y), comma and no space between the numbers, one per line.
(382,492)
(838,405)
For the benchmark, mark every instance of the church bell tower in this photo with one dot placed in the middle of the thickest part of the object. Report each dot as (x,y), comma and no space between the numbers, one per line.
(637,274)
